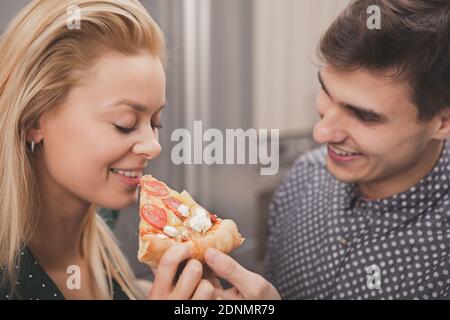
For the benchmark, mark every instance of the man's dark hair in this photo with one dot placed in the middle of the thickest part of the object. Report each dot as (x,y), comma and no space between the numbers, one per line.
(413,43)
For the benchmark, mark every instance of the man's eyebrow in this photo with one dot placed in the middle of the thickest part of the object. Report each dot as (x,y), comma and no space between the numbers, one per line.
(367,113)
(137,106)
(319,76)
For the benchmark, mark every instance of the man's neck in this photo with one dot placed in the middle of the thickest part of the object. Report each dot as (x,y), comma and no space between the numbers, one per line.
(389,187)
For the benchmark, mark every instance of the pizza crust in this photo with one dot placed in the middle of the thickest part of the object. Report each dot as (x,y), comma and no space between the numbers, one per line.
(223,236)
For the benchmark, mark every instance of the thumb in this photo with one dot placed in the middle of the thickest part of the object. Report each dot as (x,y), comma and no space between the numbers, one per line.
(227,268)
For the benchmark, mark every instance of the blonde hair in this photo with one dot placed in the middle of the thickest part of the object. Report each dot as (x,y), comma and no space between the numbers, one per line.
(41,59)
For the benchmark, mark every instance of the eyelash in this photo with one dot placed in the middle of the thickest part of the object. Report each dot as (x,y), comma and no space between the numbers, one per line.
(129,130)
(363,118)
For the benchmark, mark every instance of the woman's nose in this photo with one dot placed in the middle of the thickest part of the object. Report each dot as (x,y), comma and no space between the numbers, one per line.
(148,145)
(330,129)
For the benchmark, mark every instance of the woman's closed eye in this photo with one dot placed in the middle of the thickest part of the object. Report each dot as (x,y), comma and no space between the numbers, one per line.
(125,130)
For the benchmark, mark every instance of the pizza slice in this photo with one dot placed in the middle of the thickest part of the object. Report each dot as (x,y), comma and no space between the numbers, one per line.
(169,217)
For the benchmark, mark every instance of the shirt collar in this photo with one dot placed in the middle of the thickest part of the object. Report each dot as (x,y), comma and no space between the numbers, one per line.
(416,200)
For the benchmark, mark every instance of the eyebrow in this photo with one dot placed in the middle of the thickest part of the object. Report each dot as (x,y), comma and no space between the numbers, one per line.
(137,106)
(365,112)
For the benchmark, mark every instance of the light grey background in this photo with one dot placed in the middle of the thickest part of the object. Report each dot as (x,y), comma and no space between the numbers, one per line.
(230,107)
(211,77)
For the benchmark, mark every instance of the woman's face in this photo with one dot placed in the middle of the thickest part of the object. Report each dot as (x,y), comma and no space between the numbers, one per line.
(109,122)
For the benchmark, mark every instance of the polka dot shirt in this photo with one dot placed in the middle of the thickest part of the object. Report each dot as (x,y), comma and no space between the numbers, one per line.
(35,284)
(326,242)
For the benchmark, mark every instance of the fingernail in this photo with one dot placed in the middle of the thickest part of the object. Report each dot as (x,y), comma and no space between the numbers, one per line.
(212,255)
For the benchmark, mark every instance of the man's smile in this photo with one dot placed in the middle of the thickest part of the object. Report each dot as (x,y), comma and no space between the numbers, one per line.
(342,156)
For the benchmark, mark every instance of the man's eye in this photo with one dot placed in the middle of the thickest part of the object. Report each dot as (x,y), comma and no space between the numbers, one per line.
(364,118)
(123,129)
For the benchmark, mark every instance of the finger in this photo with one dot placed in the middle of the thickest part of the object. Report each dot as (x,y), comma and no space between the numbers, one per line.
(211,276)
(144,285)
(215,282)
(208,272)
(168,266)
(204,291)
(227,268)
(227,294)
(188,281)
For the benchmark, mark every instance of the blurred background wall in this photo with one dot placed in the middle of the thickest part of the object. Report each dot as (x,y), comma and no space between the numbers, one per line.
(232,64)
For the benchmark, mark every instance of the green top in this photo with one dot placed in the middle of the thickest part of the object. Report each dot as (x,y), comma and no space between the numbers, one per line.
(35,284)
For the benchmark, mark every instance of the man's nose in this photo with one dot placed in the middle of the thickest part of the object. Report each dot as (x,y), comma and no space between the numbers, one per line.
(331,128)
(148,145)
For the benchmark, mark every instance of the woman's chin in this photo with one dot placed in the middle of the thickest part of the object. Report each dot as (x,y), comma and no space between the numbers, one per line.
(121,203)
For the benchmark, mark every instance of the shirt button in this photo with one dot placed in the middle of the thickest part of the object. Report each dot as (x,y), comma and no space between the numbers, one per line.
(342,241)
(360,203)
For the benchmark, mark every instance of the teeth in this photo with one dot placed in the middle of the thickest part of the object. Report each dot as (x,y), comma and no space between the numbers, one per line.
(128,173)
(344,154)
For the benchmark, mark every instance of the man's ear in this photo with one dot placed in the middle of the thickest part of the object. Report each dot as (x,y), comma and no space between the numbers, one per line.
(443,126)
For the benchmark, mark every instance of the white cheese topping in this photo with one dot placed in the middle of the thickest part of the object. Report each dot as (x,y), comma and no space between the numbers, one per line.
(200,223)
(161,236)
(170,231)
(184,210)
(185,233)
(201,212)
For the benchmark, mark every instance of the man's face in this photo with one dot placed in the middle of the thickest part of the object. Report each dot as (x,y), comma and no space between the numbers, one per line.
(97,129)
(370,126)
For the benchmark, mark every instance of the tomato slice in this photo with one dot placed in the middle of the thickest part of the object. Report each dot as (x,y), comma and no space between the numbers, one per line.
(173,205)
(155,216)
(155,188)
(213,218)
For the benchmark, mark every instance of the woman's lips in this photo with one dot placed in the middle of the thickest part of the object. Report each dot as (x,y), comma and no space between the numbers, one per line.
(342,159)
(129,181)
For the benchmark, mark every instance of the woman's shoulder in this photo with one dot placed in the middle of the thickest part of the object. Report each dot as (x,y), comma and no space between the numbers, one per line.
(31,281)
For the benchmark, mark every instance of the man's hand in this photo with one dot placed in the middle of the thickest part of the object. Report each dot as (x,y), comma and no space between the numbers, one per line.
(247,285)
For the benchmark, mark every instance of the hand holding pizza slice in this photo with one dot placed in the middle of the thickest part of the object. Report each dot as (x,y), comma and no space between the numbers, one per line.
(169,217)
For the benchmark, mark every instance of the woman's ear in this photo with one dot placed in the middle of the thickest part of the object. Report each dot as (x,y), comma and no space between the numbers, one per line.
(443,126)
(36,132)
